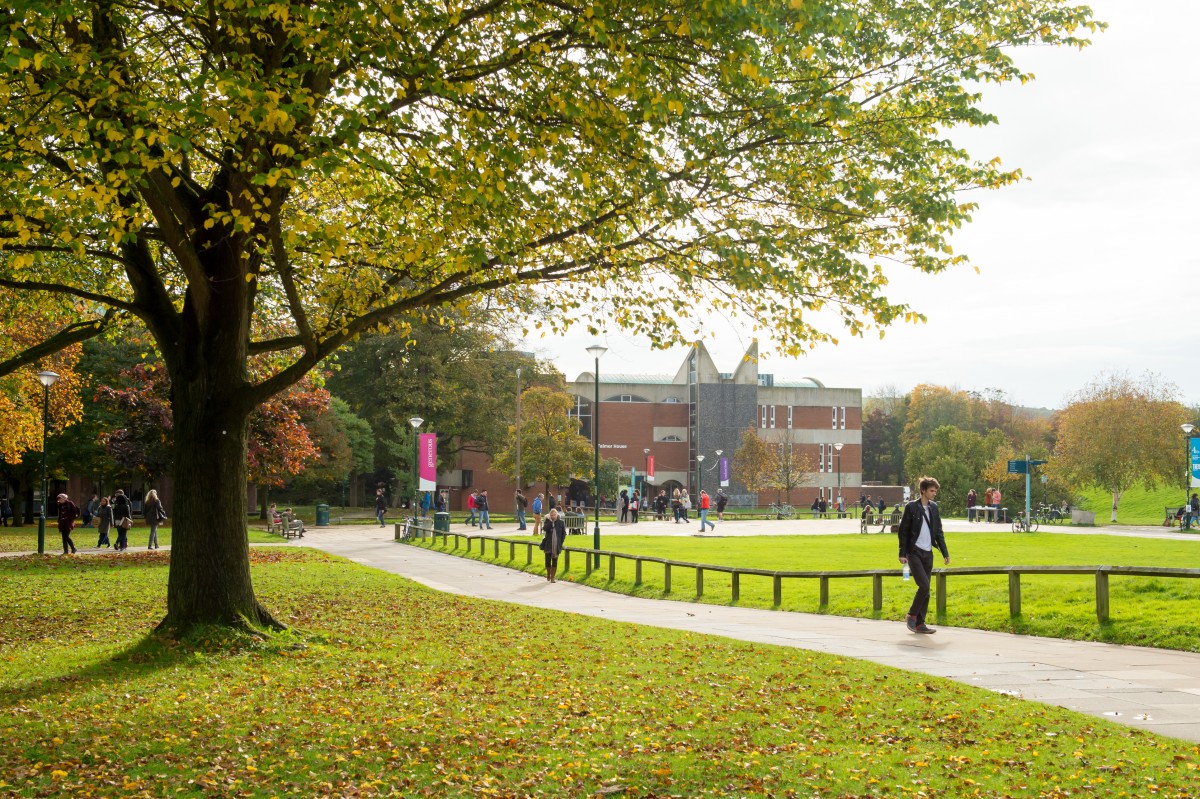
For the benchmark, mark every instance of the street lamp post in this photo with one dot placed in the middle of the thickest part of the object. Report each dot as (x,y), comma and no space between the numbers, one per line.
(645,469)
(596,351)
(699,477)
(416,422)
(47,379)
(1187,477)
(838,449)
(518,464)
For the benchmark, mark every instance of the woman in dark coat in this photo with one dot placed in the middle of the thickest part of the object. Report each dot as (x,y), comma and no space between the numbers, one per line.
(105,517)
(122,513)
(555,536)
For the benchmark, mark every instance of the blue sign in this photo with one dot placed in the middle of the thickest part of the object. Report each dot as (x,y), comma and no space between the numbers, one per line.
(1194,451)
(1018,467)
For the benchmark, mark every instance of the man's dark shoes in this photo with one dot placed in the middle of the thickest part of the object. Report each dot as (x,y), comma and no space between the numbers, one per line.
(922,628)
(911,621)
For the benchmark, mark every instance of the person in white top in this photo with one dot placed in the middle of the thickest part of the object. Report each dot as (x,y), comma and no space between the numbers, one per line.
(920,532)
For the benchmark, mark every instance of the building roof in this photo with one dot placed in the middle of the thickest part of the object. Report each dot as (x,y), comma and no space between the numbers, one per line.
(608,377)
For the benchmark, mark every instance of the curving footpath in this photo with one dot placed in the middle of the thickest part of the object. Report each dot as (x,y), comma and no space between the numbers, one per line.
(1151,689)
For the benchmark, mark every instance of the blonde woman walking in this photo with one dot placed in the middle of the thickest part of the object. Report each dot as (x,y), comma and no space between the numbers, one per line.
(154,514)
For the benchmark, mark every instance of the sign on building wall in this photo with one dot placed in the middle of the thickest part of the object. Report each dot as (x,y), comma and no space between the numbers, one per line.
(649,467)
(1194,448)
(427,462)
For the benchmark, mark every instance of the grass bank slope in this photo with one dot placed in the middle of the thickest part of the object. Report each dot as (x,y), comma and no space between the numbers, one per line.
(386,688)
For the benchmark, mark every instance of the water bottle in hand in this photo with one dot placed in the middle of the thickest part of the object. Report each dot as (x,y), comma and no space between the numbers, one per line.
(907,571)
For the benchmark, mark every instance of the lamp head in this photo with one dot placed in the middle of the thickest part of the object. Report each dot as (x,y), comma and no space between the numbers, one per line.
(47,379)
(1187,428)
(416,421)
(718,451)
(700,458)
(596,351)
(838,447)
(646,451)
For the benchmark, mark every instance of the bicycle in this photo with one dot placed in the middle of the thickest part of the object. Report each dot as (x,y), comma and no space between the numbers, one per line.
(1021,525)
(781,510)
(409,533)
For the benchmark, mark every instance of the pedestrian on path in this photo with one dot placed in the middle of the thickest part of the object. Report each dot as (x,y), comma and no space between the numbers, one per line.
(920,532)
(537,513)
(68,512)
(485,516)
(104,520)
(722,501)
(519,499)
(155,514)
(122,519)
(705,503)
(380,506)
(471,519)
(555,535)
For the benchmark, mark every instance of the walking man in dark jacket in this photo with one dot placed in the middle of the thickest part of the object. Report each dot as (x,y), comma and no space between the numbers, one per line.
(68,512)
(920,532)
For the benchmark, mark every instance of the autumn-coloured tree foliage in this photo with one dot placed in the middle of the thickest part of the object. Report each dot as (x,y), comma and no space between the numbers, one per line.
(1119,432)
(279,441)
(23,327)
(206,168)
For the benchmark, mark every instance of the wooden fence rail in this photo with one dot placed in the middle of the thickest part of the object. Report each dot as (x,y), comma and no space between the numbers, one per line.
(593,556)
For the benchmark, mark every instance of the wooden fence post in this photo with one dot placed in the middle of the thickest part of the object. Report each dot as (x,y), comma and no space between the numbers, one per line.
(637,571)
(528,553)
(666,578)
(1101,595)
(612,568)
(737,587)
(1014,594)
(699,582)
(941,594)
(566,560)
(824,601)
(587,566)
(778,590)
(877,592)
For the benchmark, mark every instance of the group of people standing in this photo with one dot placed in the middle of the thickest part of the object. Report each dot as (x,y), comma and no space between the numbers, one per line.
(991,499)
(109,513)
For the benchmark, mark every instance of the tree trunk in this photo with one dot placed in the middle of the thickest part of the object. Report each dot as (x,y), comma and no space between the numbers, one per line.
(210,581)
(1116,501)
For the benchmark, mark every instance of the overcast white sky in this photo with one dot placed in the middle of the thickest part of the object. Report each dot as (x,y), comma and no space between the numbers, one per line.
(1088,266)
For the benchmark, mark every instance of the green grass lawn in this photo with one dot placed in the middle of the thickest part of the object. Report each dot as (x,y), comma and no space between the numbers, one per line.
(1138,506)
(1161,612)
(24,539)
(387,688)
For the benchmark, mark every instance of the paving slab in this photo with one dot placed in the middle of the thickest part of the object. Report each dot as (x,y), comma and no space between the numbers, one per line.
(1151,689)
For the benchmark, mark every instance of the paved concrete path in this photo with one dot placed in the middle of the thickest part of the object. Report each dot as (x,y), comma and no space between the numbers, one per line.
(1151,689)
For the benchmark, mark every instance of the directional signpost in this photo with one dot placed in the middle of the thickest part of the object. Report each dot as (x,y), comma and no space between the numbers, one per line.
(1024,467)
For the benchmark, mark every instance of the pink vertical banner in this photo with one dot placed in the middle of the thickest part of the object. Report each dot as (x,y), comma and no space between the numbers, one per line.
(427,462)
(650,467)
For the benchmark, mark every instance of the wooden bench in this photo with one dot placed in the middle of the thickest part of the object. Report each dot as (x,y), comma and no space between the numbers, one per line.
(287,525)
(1174,515)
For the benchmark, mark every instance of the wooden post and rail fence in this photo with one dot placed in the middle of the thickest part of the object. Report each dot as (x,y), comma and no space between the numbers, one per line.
(941,575)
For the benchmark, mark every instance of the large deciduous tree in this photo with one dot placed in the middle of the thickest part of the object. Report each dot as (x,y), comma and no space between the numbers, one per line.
(755,462)
(552,450)
(213,169)
(1119,432)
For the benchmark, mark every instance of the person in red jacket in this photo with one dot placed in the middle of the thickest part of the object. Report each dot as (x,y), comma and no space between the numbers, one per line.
(705,504)
(68,512)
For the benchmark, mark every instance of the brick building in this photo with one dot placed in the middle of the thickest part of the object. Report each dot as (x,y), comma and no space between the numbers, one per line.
(699,410)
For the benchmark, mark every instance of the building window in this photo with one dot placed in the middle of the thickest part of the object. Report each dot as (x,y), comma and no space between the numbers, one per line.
(468,476)
(671,438)
(674,400)
(789,417)
(834,409)
(843,417)
(829,467)
(772,416)
(582,410)
(821,460)
(762,412)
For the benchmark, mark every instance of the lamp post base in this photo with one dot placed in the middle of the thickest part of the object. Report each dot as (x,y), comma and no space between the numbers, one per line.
(41,535)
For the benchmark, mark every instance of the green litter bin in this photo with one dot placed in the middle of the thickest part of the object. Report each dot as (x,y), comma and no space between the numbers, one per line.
(441,522)
(322,515)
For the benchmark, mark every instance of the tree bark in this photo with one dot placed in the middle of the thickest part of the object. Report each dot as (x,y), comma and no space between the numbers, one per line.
(210,580)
